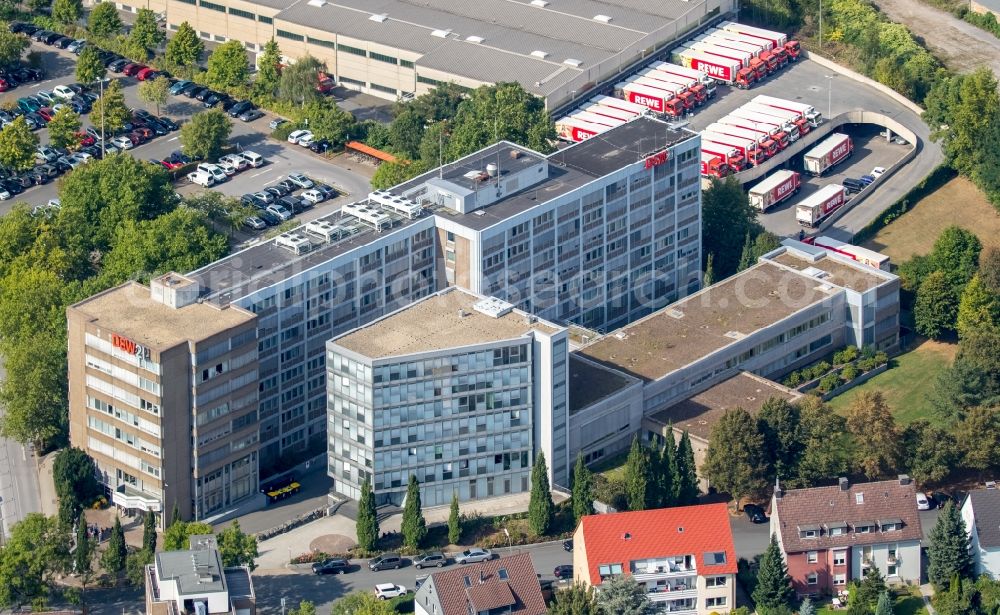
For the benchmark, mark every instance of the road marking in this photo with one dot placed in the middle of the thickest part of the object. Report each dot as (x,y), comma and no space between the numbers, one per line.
(172,139)
(271,182)
(261,173)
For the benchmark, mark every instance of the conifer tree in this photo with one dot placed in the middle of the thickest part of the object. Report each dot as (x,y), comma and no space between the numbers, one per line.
(583,498)
(414,525)
(686,478)
(540,508)
(774,586)
(367,525)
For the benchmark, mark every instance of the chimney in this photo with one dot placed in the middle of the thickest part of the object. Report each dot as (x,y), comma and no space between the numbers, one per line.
(515,154)
(482,577)
(461,313)
(778,492)
(904,479)
(844,484)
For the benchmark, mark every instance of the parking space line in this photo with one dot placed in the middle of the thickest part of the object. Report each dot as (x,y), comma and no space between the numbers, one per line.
(261,173)
(171,139)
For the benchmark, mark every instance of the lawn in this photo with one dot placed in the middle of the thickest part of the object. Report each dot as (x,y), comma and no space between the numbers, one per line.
(906,604)
(957,202)
(907,383)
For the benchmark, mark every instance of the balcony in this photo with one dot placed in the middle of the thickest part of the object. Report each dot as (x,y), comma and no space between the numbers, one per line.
(664,572)
(127,496)
(657,594)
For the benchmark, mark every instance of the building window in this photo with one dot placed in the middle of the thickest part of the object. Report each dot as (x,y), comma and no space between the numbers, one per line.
(381,57)
(189,1)
(840,579)
(427,80)
(263,19)
(812,578)
(715,581)
(406,63)
(891,571)
(290,35)
(239,13)
(607,570)
(382,88)
(863,529)
(213,6)
(353,50)
(840,558)
(812,557)
(715,601)
(715,559)
(322,43)
(348,80)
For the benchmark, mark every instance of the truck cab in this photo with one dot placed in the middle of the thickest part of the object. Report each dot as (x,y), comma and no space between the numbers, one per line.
(792,47)
(746,77)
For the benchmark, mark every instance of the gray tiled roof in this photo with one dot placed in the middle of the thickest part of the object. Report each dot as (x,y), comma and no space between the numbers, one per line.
(986,509)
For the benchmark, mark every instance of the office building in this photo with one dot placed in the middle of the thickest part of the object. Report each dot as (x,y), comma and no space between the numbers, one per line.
(194,581)
(459,390)
(981,513)
(163,396)
(395,49)
(683,556)
(504,586)
(830,536)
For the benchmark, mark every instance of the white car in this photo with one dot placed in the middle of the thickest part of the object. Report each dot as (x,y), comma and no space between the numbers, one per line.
(4,194)
(122,143)
(214,170)
(384,591)
(306,140)
(296,135)
(201,178)
(227,167)
(47,96)
(239,162)
(877,171)
(63,92)
(300,180)
(255,223)
(922,502)
(314,196)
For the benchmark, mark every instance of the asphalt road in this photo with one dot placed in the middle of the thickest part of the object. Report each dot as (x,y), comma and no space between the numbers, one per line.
(806,81)
(19,494)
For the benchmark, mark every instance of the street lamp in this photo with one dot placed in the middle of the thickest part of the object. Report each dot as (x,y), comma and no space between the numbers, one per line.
(510,542)
(821,24)
(829,95)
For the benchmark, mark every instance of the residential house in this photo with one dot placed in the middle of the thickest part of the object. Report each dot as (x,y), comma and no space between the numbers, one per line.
(981,513)
(831,535)
(505,586)
(684,556)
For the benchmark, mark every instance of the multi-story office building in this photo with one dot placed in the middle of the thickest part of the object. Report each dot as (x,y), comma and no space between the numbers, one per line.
(458,390)
(163,396)
(683,557)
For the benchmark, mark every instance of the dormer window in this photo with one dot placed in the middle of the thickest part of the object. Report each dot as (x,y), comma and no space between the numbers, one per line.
(809,531)
(609,570)
(859,498)
(891,525)
(863,529)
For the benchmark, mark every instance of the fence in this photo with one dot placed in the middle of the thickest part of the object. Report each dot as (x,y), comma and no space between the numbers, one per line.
(291,525)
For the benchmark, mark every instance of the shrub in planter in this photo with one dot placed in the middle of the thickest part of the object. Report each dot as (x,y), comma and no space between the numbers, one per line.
(867,365)
(829,383)
(846,355)
(881,358)
(850,372)
(819,369)
(793,379)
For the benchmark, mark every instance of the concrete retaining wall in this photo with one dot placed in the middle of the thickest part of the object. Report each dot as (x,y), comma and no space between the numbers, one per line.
(843,70)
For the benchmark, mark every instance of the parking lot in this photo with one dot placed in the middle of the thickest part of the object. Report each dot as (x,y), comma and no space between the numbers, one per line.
(282,158)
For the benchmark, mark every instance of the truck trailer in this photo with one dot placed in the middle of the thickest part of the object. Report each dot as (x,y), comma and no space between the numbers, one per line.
(774,58)
(808,112)
(800,124)
(693,83)
(818,206)
(618,114)
(683,71)
(752,152)
(656,79)
(572,129)
(693,87)
(767,146)
(779,39)
(620,104)
(655,99)
(861,255)
(760,60)
(782,132)
(721,69)
(774,189)
(730,154)
(829,152)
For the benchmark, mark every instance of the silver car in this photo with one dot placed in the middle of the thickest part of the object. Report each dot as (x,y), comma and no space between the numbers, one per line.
(472,556)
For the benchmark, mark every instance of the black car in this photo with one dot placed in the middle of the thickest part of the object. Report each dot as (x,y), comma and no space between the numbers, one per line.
(157,127)
(113,60)
(240,107)
(386,561)
(79,106)
(328,193)
(206,94)
(568,545)
(12,186)
(38,35)
(116,66)
(319,146)
(213,99)
(49,170)
(282,188)
(271,219)
(18,26)
(251,200)
(64,42)
(34,120)
(191,87)
(37,177)
(251,115)
(853,185)
(288,185)
(195,92)
(432,558)
(563,572)
(26,73)
(93,150)
(293,204)
(229,103)
(167,123)
(755,513)
(331,566)
(30,29)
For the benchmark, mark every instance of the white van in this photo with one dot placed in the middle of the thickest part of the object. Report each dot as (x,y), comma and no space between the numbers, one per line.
(253,158)
(201,178)
(214,170)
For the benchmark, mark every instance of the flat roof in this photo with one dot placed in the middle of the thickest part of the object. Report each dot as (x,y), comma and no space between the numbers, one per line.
(711,319)
(854,277)
(590,382)
(700,413)
(130,310)
(199,571)
(506,34)
(447,319)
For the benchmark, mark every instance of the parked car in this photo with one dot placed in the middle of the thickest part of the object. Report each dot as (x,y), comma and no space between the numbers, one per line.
(214,170)
(63,92)
(385,561)
(330,566)
(47,113)
(46,154)
(77,46)
(294,204)
(146,74)
(474,555)
(240,107)
(314,196)
(320,146)
(132,69)
(64,42)
(877,172)
(300,180)
(29,104)
(239,162)
(122,143)
(568,545)
(251,115)
(282,213)
(266,197)
(280,189)
(191,89)
(563,572)
(276,122)
(269,218)
(866,179)
(117,66)
(384,591)
(196,91)
(328,192)
(213,99)
(200,178)
(306,140)
(251,200)
(432,558)
(287,185)
(227,168)
(755,513)
(167,123)
(922,502)
(205,94)
(176,88)
(47,97)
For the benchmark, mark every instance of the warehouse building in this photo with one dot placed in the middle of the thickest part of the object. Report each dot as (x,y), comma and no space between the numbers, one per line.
(397,49)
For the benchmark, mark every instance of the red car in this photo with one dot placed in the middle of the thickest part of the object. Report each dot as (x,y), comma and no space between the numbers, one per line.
(47,113)
(4,86)
(146,73)
(130,70)
(135,138)
(85,139)
(145,133)
(171,164)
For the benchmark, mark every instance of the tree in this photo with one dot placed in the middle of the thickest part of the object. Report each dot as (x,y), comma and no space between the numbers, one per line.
(973,378)
(362,603)
(67,11)
(17,145)
(135,567)
(989,269)
(149,532)
(436,105)
(228,66)
(414,525)
(728,222)
(75,478)
(948,549)
(175,514)
(666,471)
(638,476)
(501,111)
(269,69)
(936,308)
(64,129)
(875,433)
(113,559)
(979,307)
(145,32)
(774,586)
(83,554)
(305,608)
(746,254)
(89,67)
(956,254)
(623,595)
(328,121)
(871,587)
(433,145)
(979,433)
(736,461)
(155,92)
(206,133)
(807,608)
(12,47)
(178,535)
(578,599)
(686,476)
(36,550)
(110,112)
(298,80)
(779,422)
(237,548)
(34,393)
(104,20)
(583,498)
(184,48)
(389,174)
(709,278)
(541,511)
(367,524)
(929,453)
(884,606)
(454,521)
(405,133)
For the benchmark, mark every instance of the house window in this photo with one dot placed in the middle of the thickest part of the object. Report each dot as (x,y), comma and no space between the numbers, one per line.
(840,558)
(891,571)
(812,578)
(808,534)
(840,579)
(812,557)
(836,531)
(715,559)
(863,529)
(607,570)
(715,602)
(859,498)
(715,581)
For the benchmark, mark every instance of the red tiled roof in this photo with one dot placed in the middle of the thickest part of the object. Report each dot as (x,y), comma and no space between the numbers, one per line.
(662,532)
(822,507)
(487,590)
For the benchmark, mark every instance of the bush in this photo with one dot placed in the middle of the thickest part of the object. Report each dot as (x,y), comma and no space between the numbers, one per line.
(846,355)
(866,365)
(819,369)
(880,358)
(829,383)
(850,372)
(793,380)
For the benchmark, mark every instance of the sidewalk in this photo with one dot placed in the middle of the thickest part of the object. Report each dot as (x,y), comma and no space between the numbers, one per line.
(47,487)
(334,534)
(492,507)
(927,592)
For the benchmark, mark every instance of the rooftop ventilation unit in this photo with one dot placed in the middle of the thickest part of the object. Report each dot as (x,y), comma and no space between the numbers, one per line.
(540,54)
(815,272)
(441,33)
(317,3)
(573,62)
(539,3)
(602,18)
(736,335)
(474,39)
(294,242)
(325,230)
(395,203)
(675,313)
(369,215)
(379,18)
(493,307)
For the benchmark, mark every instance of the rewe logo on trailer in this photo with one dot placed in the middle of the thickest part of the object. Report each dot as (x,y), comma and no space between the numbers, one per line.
(653,103)
(783,188)
(713,70)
